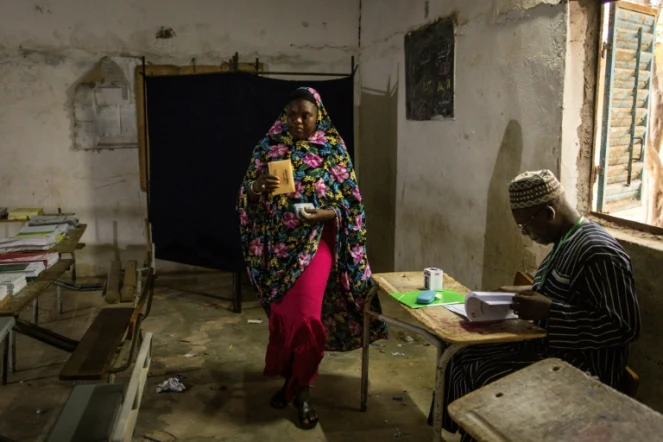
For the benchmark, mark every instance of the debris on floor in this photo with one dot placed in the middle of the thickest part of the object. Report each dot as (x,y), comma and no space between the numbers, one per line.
(397,354)
(398,398)
(254,321)
(397,433)
(193,355)
(173,384)
(409,339)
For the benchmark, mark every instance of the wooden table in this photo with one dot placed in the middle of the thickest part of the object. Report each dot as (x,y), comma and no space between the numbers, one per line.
(35,288)
(68,246)
(447,331)
(553,401)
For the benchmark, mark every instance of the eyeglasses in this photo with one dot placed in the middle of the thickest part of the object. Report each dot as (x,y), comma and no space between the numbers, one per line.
(523,226)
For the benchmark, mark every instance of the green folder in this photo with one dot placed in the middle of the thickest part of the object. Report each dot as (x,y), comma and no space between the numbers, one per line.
(445,297)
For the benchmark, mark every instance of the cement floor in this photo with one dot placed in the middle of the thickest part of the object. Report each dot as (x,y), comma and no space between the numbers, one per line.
(227,396)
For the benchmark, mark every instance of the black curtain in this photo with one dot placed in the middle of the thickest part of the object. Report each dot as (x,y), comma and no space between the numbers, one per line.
(202,130)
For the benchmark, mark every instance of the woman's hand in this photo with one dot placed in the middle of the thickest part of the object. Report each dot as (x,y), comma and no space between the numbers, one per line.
(265,183)
(314,216)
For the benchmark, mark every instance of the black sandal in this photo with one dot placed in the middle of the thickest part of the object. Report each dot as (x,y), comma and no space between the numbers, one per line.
(279,400)
(305,411)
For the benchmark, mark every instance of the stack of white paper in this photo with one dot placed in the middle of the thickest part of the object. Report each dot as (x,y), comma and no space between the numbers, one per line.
(485,306)
(48,258)
(29,269)
(15,282)
(31,238)
(44,220)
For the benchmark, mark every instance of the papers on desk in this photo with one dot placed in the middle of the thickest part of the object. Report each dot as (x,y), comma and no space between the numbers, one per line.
(34,231)
(29,269)
(485,306)
(34,238)
(48,258)
(24,213)
(14,282)
(45,220)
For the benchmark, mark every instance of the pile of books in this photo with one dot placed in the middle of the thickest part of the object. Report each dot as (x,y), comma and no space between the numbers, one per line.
(24,256)
(49,220)
(30,238)
(24,213)
(10,285)
(30,270)
(46,258)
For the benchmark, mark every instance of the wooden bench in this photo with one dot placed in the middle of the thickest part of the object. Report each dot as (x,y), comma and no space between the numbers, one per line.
(630,380)
(6,325)
(552,401)
(113,333)
(121,283)
(105,412)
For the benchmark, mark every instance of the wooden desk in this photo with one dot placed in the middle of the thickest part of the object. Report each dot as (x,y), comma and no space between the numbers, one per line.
(35,288)
(71,243)
(554,401)
(31,294)
(447,331)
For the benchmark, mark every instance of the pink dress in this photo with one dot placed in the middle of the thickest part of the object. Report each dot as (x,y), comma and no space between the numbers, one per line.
(297,336)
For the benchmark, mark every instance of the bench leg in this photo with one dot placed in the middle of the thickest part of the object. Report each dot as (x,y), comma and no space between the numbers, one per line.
(5,358)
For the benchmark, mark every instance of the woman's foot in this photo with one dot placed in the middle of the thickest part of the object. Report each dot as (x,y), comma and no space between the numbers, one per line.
(279,400)
(306,413)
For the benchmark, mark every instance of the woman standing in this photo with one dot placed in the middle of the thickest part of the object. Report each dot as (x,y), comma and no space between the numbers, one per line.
(310,268)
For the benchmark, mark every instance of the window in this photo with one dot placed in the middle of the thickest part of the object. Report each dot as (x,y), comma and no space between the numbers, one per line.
(625,186)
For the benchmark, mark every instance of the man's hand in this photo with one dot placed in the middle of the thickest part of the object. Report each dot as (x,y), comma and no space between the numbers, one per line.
(514,288)
(531,305)
(314,216)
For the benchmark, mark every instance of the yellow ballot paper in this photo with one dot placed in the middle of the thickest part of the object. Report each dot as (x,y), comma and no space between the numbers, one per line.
(283,170)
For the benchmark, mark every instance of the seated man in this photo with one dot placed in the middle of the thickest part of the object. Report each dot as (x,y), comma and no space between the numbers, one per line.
(583,296)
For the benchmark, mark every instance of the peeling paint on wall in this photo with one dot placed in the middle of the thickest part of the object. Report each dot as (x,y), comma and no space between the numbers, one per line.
(58,51)
(165,33)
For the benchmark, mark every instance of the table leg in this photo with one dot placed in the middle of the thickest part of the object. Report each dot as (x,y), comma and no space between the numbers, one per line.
(35,311)
(73,268)
(58,294)
(12,351)
(443,363)
(365,347)
(5,358)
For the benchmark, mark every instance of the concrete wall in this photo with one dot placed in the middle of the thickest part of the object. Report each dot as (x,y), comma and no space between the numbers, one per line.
(46,47)
(451,204)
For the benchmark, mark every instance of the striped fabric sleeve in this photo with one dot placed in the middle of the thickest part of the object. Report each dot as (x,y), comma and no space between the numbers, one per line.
(609,315)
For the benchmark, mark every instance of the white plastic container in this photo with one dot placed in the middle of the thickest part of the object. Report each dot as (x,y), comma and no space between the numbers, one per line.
(433,278)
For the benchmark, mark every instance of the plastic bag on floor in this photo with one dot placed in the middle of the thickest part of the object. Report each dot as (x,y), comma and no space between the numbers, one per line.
(171,385)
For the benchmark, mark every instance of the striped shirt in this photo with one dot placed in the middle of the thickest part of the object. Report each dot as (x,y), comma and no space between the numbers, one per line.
(594,312)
